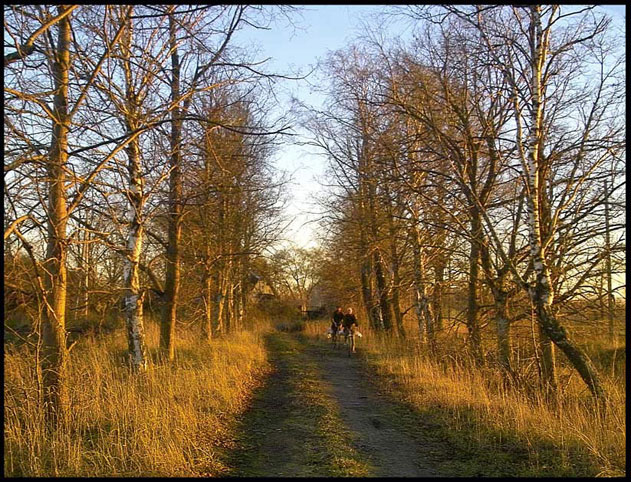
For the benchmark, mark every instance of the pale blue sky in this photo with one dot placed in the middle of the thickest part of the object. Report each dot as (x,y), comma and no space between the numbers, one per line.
(318,29)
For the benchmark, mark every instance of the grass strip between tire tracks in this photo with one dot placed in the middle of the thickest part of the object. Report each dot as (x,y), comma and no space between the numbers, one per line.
(294,426)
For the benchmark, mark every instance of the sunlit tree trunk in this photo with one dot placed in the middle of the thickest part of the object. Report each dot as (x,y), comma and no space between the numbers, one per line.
(217,302)
(424,315)
(226,292)
(542,294)
(473,323)
(86,268)
(207,327)
(54,360)
(246,285)
(218,277)
(382,291)
(396,277)
(133,298)
(368,298)
(396,283)
(378,265)
(208,292)
(548,362)
(172,284)
(210,282)
(608,274)
(439,270)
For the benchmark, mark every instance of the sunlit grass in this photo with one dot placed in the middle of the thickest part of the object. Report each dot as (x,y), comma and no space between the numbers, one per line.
(174,420)
(482,412)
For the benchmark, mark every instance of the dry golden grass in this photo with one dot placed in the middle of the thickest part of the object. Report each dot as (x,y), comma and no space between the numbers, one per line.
(478,408)
(174,420)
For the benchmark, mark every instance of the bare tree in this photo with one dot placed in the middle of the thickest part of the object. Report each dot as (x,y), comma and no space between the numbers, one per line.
(58,203)
(538,64)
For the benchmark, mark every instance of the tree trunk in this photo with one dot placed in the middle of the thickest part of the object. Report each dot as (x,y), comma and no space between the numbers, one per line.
(473,326)
(610,298)
(217,306)
(209,280)
(502,324)
(172,283)
(424,313)
(85,262)
(54,360)
(227,310)
(207,325)
(133,299)
(439,270)
(367,297)
(227,296)
(382,291)
(396,302)
(236,303)
(208,296)
(396,279)
(367,293)
(548,362)
(245,282)
(541,294)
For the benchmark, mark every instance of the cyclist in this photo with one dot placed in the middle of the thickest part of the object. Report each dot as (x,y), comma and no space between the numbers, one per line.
(350,325)
(336,322)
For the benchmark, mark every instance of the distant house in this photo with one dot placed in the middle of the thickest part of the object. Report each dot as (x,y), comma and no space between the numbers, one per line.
(262,291)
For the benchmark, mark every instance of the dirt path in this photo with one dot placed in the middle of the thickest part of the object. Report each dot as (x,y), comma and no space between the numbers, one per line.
(275,438)
(392,451)
(317,416)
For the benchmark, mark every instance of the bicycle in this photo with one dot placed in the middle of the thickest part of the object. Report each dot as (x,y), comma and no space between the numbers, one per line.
(349,339)
(335,334)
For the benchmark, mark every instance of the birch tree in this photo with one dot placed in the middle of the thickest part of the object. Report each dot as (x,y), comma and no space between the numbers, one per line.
(538,57)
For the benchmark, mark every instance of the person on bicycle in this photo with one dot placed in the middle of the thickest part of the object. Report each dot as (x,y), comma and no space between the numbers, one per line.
(336,322)
(350,324)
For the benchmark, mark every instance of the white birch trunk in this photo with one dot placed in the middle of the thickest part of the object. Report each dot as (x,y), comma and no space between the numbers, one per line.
(542,294)
(423,308)
(132,298)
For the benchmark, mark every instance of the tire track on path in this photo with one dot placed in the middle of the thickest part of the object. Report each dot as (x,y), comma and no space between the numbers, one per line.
(392,452)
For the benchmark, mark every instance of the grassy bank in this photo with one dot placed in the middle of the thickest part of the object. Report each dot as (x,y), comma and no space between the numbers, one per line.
(494,428)
(174,420)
